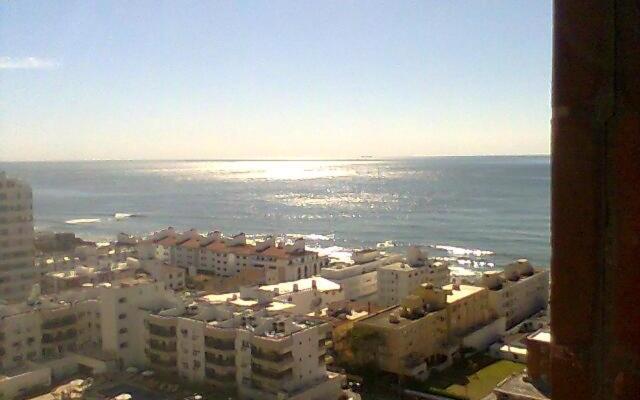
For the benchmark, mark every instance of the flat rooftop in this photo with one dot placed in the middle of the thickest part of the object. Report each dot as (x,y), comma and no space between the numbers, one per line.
(398,266)
(381,319)
(542,336)
(515,385)
(322,284)
(463,292)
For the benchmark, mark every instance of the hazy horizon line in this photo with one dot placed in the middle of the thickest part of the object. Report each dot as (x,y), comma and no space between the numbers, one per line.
(361,158)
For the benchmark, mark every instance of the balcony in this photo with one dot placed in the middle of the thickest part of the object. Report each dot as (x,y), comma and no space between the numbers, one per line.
(61,337)
(162,331)
(219,344)
(224,379)
(261,372)
(167,347)
(59,322)
(270,355)
(162,363)
(220,361)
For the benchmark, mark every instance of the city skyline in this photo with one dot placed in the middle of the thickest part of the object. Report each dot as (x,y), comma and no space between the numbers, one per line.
(284,81)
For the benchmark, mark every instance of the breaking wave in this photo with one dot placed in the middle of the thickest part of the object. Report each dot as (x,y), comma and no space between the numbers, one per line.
(82,221)
(461,251)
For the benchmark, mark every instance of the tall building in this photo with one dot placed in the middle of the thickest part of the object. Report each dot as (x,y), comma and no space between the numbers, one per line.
(17,274)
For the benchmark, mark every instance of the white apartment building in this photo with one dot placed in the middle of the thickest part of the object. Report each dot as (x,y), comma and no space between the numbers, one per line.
(517,292)
(17,273)
(397,280)
(359,280)
(146,260)
(164,242)
(99,327)
(297,297)
(250,353)
(217,255)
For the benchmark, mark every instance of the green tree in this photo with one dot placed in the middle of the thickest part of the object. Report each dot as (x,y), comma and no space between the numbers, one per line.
(364,343)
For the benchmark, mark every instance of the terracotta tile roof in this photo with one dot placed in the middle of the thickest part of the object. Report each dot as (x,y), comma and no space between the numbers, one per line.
(193,243)
(221,247)
(168,241)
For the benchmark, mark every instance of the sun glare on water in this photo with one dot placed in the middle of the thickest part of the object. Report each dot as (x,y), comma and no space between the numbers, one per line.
(270,170)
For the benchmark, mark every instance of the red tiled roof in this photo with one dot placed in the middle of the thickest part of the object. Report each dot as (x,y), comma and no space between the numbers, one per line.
(192,243)
(168,241)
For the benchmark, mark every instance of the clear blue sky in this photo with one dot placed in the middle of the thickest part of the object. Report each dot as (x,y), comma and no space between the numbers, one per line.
(273,79)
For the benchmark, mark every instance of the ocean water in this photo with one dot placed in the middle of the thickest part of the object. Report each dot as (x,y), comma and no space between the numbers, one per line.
(486,209)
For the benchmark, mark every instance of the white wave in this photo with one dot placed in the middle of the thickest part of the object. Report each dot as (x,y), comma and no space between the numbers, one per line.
(311,236)
(461,251)
(122,215)
(334,252)
(82,221)
(462,271)
(386,244)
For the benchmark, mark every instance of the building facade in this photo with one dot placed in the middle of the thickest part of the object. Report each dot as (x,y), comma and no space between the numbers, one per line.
(397,280)
(359,280)
(17,273)
(254,354)
(518,292)
(430,327)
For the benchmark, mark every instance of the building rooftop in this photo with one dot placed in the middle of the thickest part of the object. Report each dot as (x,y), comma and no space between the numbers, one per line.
(398,266)
(167,241)
(384,318)
(461,293)
(541,336)
(518,385)
(321,284)
(219,298)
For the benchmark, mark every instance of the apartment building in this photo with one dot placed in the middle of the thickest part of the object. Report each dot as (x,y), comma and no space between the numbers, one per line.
(215,254)
(297,297)
(430,327)
(517,292)
(75,278)
(359,279)
(146,260)
(251,353)
(17,273)
(399,279)
(97,327)
(164,243)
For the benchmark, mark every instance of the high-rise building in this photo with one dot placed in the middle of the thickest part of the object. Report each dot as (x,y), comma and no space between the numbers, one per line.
(17,274)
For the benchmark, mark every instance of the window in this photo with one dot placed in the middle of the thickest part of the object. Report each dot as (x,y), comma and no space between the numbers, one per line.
(122,316)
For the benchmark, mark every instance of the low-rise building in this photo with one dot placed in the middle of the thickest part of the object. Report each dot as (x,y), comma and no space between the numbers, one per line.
(297,297)
(429,328)
(98,327)
(359,279)
(145,260)
(215,254)
(399,279)
(251,353)
(517,292)
(535,383)
(76,278)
